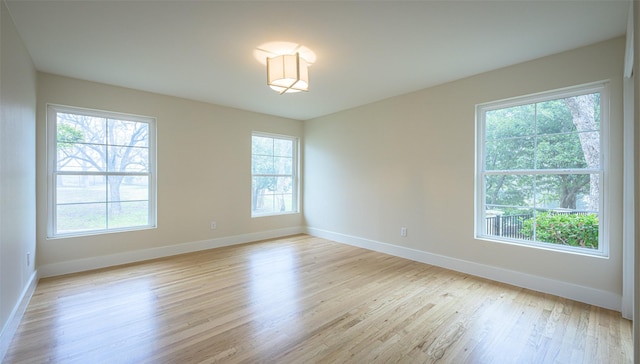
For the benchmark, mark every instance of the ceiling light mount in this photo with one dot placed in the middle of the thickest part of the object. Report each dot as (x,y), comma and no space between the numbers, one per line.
(288,73)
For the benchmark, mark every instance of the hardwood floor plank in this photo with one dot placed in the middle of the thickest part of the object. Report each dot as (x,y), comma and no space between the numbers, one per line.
(303,299)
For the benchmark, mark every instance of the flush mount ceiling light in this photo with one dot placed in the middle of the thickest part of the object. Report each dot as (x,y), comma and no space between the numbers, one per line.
(288,73)
(287,65)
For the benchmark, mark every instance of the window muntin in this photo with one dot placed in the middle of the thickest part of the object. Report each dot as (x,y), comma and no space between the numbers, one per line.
(541,170)
(273,174)
(101,168)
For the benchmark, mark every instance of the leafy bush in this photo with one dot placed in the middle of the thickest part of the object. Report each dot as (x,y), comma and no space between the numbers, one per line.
(565,229)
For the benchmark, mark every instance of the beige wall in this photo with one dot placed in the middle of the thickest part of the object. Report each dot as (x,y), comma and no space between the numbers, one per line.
(409,161)
(17,174)
(203,153)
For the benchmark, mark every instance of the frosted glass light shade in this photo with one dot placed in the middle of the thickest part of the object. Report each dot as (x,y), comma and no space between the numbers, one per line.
(288,73)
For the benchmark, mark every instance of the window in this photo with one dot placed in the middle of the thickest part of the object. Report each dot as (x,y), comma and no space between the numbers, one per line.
(541,171)
(273,172)
(101,171)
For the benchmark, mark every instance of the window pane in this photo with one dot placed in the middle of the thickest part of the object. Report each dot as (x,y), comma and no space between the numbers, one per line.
(128,188)
(128,214)
(590,143)
(272,194)
(262,188)
(262,165)
(553,117)
(284,184)
(80,189)
(517,121)
(510,154)
(283,148)
(127,159)
(81,217)
(560,151)
(264,184)
(81,157)
(68,133)
(261,145)
(575,192)
(275,203)
(507,222)
(582,112)
(568,228)
(283,165)
(509,191)
(267,205)
(81,128)
(283,202)
(131,188)
(128,133)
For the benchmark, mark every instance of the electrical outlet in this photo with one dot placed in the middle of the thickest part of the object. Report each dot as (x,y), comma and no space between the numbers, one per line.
(213,225)
(403,231)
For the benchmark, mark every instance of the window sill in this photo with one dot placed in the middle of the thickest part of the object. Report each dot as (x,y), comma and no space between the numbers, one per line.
(82,234)
(549,247)
(274,214)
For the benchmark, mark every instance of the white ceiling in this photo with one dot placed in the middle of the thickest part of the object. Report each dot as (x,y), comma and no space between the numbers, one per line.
(366,50)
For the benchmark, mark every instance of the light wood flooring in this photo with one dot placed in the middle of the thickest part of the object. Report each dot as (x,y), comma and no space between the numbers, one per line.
(306,300)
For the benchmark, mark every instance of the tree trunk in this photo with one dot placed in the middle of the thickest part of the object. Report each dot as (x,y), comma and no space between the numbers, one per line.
(570,187)
(115,207)
(496,190)
(568,197)
(258,198)
(582,110)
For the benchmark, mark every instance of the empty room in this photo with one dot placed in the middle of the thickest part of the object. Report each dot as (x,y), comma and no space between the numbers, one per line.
(319,181)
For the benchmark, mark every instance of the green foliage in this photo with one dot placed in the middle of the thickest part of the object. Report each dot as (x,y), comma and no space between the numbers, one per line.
(564,229)
(68,136)
(538,136)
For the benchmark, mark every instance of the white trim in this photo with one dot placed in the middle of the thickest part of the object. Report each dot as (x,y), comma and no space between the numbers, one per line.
(542,96)
(628,56)
(80,265)
(571,291)
(629,174)
(628,200)
(13,321)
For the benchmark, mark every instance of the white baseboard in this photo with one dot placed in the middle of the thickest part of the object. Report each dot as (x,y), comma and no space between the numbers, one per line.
(80,265)
(10,328)
(571,291)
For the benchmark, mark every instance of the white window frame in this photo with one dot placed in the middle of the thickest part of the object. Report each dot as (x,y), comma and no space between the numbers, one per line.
(601,87)
(294,174)
(52,172)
